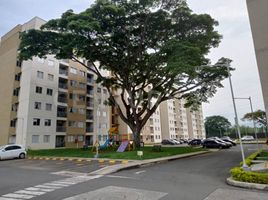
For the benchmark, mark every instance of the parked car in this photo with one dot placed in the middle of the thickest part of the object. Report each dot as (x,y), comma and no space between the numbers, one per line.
(227,139)
(195,142)
(12,151)
(170,142)
(229,144)
(247,138)
(176,141)
(210,143)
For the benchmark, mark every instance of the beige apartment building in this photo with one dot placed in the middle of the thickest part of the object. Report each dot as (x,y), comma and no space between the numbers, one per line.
(48,103)
(258,15)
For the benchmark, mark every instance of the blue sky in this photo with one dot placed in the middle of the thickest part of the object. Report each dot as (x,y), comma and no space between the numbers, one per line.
(234,25)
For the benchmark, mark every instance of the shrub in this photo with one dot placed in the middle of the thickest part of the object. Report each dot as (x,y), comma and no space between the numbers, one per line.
(239,174)
(250,158)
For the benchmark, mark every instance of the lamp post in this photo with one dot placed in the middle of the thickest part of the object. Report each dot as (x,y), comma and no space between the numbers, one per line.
(254,123)
(236,119)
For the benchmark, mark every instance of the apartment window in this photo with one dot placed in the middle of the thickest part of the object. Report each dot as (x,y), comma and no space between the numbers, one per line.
(82,98)
(19,63)
(71,123)
(80,124)
(82,111)
(70,138)
(36,122)
(82,85)
(16,92)
(37,105)
(73,110)
(35,138)
(73,70)
(40,74)
(99,90)
(14,107)
(50,63)
(46,139)
(80,138)
(50,77)
(38,90)
(73,83)
(49,92)
(13,123)
(17,77)
(82,73)
(47,122)
(48,106)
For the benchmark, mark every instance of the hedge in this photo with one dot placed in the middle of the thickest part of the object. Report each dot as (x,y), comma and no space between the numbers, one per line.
(250,158)
(239,174)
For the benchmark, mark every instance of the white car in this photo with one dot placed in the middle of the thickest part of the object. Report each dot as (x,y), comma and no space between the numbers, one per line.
(247,138)
(12,151)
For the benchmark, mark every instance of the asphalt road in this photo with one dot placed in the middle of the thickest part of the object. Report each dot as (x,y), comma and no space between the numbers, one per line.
(195,178)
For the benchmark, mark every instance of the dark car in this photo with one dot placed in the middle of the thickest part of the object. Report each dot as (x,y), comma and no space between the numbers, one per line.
(170,142)
(195,142)
(214,144)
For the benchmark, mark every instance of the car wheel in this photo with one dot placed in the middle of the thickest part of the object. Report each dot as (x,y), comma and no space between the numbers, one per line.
(22,156)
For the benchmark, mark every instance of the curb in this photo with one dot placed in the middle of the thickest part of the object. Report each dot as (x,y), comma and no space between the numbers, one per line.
(137,164)
(256,186)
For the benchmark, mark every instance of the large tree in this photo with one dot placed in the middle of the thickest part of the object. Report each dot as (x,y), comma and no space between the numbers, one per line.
(258,116)
(156,43)
(216,125)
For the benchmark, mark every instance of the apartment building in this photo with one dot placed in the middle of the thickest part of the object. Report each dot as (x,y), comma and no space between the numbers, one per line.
(48,103)
(258,14)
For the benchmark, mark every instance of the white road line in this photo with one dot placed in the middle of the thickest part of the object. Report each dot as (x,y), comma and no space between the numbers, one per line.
(29,192)
(63,182)
(48,187)
(3,198)
(139,172)
(39,189)
(20,196)
(55,184)
(123,177)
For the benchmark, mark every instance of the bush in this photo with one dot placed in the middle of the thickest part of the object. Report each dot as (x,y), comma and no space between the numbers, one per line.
(250,158)
(239,174)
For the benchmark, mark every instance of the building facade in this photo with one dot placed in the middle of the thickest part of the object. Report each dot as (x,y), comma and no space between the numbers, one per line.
(48,103)
(258,14)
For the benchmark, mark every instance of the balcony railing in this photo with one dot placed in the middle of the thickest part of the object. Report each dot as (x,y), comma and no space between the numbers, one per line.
(63,72)
(63,85)
(90,92)
(61,129)
(61,114)
(89,129)
(90,117)
(62,99)
(90,80)
(90,104)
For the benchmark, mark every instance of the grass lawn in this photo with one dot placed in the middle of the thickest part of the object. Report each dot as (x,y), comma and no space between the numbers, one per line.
(130,155)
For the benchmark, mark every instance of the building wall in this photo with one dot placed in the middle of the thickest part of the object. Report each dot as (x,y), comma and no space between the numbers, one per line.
(258,14)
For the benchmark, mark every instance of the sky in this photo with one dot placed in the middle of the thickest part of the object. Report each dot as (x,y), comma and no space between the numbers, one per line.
(237,44)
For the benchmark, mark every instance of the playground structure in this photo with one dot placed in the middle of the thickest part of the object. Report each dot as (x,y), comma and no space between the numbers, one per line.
(125,141)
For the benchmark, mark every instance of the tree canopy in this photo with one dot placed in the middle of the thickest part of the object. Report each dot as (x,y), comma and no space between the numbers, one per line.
(216,125)
(258,116)
(155,49)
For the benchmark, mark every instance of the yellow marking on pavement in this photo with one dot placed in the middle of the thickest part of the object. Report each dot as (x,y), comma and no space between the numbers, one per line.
(125,162)
(34,158)
(40,158)
(70,159)
(101,161)
(79,160)
(47,158)
(54,158)
(112,162)
(62,159)
(29,158)
(266,165)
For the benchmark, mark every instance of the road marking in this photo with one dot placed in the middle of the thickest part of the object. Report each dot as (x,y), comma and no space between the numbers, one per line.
(139,172)
(39,189)
(123,177)
(18,196)
(3,198)
(125,162)
(48,187)
(29,192)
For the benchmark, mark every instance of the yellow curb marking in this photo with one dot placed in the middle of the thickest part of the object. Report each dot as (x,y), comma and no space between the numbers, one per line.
(101,161)
(29,158)
(40,158)
(266,165)
(79,160)
(125,162)
(62,159)
(112,161)
(47,158)
(70,159)
(54,158)
(34,158)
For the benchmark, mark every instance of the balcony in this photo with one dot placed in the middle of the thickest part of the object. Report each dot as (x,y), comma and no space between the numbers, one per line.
(61,114)
(62,99)
(89,129)
(61,129)
(63,72)
(63,85)
(90,117)
(90,80)
(90,92)
(90,104)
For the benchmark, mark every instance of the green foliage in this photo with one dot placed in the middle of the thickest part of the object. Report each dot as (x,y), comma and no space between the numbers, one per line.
(250,158)
(239,174)
(258,116)
(156,43)
(216,125)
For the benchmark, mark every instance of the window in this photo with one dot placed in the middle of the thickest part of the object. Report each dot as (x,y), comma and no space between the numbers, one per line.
(70,138)
(36,122)
(48,106)
(50,77)
(40,74)
(99,90)
(16,92)
(80,124)
(82,98)
(73,83)
(50,63)
(80,138)
(49,92)
(38,90)
(73,70)
(46,139)
(82,111)
(82,85)
(17,77)
(47,122)
(13,123)
(72,123)
(19,63)
(35,138)
(82,73)
(37,105)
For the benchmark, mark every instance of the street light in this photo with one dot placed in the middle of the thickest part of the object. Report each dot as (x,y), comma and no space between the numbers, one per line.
(254,124)
(236,119)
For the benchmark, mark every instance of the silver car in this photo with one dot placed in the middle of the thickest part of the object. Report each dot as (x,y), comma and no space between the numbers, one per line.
(12,151)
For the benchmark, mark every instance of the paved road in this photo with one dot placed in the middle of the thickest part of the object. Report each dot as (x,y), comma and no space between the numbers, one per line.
(196,178)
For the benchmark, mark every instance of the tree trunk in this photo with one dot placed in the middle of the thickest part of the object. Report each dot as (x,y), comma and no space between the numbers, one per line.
(137,139)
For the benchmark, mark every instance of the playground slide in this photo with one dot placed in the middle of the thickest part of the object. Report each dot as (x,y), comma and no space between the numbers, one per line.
(105,145)
(123,146)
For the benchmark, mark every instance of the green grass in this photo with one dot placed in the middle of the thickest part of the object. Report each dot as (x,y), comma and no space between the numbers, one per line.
(130,155)
(264,154)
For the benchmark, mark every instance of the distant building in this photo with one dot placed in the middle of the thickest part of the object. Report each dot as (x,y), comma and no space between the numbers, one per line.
(258,14)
